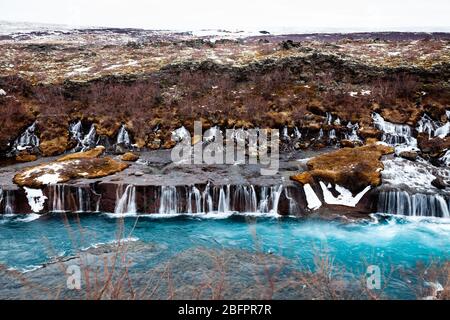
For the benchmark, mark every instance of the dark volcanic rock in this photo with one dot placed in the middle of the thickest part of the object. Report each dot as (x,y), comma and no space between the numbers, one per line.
(439,183)
(409,155)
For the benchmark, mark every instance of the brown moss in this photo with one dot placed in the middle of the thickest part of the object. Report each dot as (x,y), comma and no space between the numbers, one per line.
(25,157)
(93,153)
(354,168)
(60,172)
(54,146)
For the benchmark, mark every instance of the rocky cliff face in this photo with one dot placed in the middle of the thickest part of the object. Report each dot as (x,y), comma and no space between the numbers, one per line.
(66,93)
(157,86)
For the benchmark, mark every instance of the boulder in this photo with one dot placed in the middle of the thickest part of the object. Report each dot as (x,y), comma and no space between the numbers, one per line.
(129,156)
(347,143)
(353,168)
(439,183)
(409,155)
(434,146)
(369,132)
(86,165)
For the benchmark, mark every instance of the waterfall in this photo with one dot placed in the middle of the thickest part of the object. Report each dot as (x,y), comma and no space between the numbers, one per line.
(394,134)
(89,140)
(445,159)
(207,199)
(332,135)
(7,196)
(194,197)
(169,200)
(269,199)
(404,203)
(126,202)
(57,196)
(244,199)
(328,118)
(27,140)
(76,132)
(224,200)
(427,125)
(83,200)
(123,137)
(320,134)
(352,135)
(181,134)
(285,134)
(219,199)
(443,131)
(433,128)
(297,134)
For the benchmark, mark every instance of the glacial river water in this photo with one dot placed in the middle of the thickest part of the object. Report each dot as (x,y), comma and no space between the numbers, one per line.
(391,242)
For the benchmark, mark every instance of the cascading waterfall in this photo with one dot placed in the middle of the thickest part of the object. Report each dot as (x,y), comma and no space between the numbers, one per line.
(90,140)
(194,198)
(434,128)
(224,200)
(168,200)
(320,134)
(332,135)
(84,141)
(123,137)
(244,199)
(76,132)
(126,202)
(352,135)
(219,199)
(7,199)
(403,203)
(269,199)
(445,159)
(297,134)
(394,134)
(27,140)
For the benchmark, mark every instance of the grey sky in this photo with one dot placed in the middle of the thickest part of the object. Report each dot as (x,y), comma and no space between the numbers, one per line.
(310,15)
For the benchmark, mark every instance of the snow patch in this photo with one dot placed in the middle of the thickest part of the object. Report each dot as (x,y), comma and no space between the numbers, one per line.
(345,198)
(49,178)
(314,202)
(36,199)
